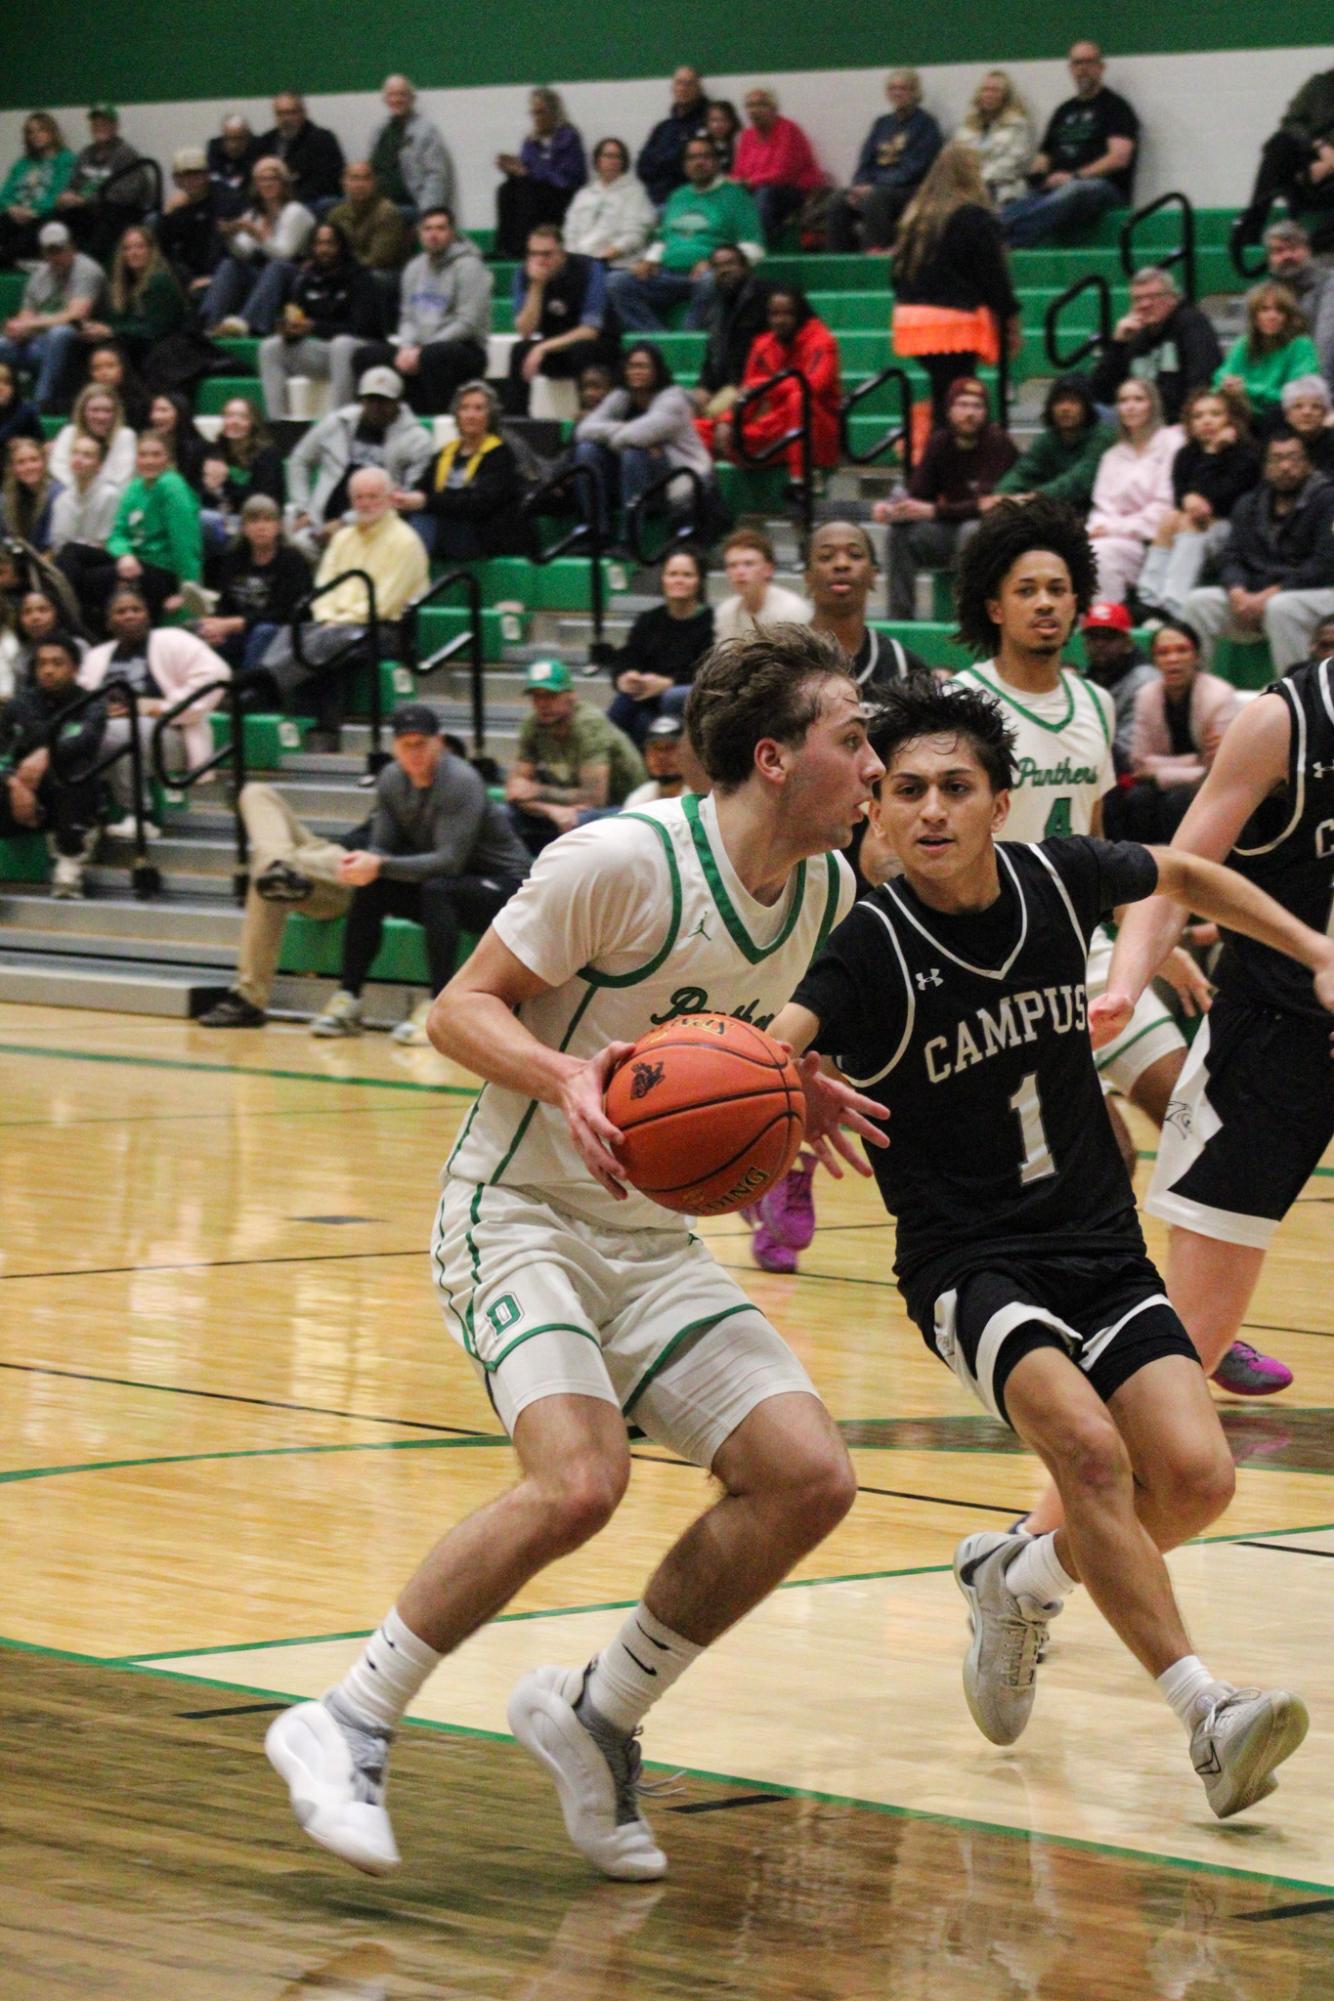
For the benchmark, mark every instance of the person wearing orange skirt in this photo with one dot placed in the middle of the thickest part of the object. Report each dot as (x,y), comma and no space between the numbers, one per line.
(953,297)
(795,339)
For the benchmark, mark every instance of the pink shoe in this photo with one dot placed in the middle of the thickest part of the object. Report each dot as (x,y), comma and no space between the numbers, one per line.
(788,1211)
(1245,1372)
(771,1255)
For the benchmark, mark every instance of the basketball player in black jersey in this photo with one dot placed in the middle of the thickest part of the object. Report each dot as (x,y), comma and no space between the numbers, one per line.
(956,997)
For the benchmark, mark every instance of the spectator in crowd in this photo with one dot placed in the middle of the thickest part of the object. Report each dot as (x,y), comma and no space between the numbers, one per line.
(37,617)
(1308,411)
(596,380)
(841,572)
(960,467)
(611,218)
(374,541)
(27,495)
(29,796)
(436,855)
(1117,665)
(661,162)
(242,460)
(1162,339)
(261,582)
(311,155)
(795,338)
(1276,569)
(43,335)
(333,297)
(1061,460)
(998,128)
(33,186)
(171,419)
(408,154)
(97,414)
(571,760)
(108,369)
(735,313)
(1274,350)
(103,195)
(540,179)
(374,227)
(19,417)
(663,751)
(443,321)
(1180,718)
(1214,467)
(247,289)
(188,232)
(705,212)
(895,158)
(376,430)
(1132,494)
(774,159)
(645,427)
(85,508)
(1086,163)
(653,671)
(953,300)
(756,600)
(1292,263)
(722,125)
(560,315)
(155,542)
(232,156)
(163,665)
(144,302)
(1297,162)
(466,504)
(1322,644)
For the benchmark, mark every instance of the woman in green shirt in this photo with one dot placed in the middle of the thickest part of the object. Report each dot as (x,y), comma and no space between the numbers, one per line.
(1275,348)
(146,303)
(28,196)
(155,541)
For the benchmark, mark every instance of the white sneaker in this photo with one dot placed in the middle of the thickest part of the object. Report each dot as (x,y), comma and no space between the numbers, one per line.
(67,880)
(597,1782)
(411,1034)
(1009,1633)
(1237,1743)
(341,1017)
(336,1777)
(196,601)
(120,830)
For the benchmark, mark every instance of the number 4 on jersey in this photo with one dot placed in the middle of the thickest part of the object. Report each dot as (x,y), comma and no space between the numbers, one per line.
(1058,820)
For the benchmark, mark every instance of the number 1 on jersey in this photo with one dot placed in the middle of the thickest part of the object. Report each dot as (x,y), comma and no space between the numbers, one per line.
(1037,1161)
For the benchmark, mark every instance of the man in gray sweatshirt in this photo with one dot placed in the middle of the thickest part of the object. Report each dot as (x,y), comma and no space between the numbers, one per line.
(443,322)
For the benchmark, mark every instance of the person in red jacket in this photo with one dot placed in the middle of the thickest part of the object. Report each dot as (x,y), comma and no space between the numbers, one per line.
(773,158)
(796,339)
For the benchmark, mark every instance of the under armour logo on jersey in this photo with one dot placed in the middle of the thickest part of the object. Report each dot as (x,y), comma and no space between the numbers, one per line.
(1322,770)
(931,979)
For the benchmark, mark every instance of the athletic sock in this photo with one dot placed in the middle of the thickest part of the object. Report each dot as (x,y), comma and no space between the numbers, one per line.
(1037,1572)
(393,1666)
(1190,1688)
(641,1664)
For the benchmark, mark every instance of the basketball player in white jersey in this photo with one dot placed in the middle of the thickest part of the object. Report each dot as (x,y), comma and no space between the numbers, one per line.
(582,1304)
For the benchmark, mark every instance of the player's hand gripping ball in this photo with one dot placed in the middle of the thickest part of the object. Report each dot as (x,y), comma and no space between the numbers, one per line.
(712,1110)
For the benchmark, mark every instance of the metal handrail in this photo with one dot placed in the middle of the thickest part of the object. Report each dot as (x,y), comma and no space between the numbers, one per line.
(470,638)
(232,752)
(1093,281)
(899,434)
(636,514)
(141,169)
(799,434)
(1184,254)
(586,538)
(145,880)
(376,758)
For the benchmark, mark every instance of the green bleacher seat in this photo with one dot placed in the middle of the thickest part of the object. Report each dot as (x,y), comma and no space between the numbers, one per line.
(242,354)
(561,585)
(268,738)
(930,639)
(11,291)
(315,945)
(52,426)
(439,624)
(1245,666)
(752,489)
(25,858)
(217,390)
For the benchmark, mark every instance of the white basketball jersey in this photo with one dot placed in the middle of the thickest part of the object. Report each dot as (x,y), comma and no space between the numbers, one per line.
(1063,752)
(631,921)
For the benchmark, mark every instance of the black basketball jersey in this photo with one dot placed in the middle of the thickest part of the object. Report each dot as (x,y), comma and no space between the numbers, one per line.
(973,1030)
(1287,848)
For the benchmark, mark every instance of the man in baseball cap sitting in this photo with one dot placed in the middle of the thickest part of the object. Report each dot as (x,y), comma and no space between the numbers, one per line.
(1116,664)
(571,760)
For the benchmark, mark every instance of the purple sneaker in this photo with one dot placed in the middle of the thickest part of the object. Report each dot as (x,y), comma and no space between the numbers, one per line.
(788,1211)
(1245,1372)
(769,1254)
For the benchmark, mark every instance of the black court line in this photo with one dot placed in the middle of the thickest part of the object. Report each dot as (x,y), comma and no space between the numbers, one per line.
(232,1396)
(1010,1508)
(721,1806)
(1275,1327)
(1287,1548)
(1273,1917)
(213,1264)
(233,1709)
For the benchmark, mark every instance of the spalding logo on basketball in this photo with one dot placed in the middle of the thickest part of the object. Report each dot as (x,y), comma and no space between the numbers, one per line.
(712,1112)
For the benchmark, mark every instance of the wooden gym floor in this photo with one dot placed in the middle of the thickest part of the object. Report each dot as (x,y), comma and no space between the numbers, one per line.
(230,1422)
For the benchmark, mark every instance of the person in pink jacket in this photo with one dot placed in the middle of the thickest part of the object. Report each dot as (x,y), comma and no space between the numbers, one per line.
(1179,722)
(1132,493)
(774,159)
(161,665)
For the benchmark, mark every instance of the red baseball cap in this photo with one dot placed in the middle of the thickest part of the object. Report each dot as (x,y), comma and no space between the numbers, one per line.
(1104,617)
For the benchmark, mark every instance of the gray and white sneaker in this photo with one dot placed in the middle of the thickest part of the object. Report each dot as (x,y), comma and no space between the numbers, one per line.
(1239,1740)
(597,1776)
(335,1772)
(1009,1635)
(341,1017)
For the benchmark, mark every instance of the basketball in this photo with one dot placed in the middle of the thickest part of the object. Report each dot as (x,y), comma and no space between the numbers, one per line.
(712,1111)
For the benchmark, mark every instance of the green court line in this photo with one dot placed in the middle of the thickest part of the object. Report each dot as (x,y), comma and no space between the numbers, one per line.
(259,1452)
(233,1069)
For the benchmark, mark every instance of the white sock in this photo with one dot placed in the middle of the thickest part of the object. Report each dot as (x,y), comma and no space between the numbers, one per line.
(1037,1572)
(641,1664)
(1190,1688)
(393,1666)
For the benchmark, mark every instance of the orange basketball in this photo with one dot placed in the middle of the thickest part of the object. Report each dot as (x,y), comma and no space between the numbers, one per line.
(712,1111)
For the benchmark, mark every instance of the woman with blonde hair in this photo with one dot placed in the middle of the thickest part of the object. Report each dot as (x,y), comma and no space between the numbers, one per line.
(97,413)
(33,185)
(953,298)
(999,130)
(247,290)
(1132,494)
(1274,350)
(145,301)
(27,495)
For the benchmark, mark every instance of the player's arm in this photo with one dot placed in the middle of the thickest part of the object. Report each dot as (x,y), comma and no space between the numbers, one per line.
(833,1108)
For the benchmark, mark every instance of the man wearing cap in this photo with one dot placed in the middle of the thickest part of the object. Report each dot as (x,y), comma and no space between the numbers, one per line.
(664,743)
(1118,667)
(97,219)
(43,335)
(1291,262)
(188,232)
(960,467)
(374,431)
(443,323)
(571,761)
